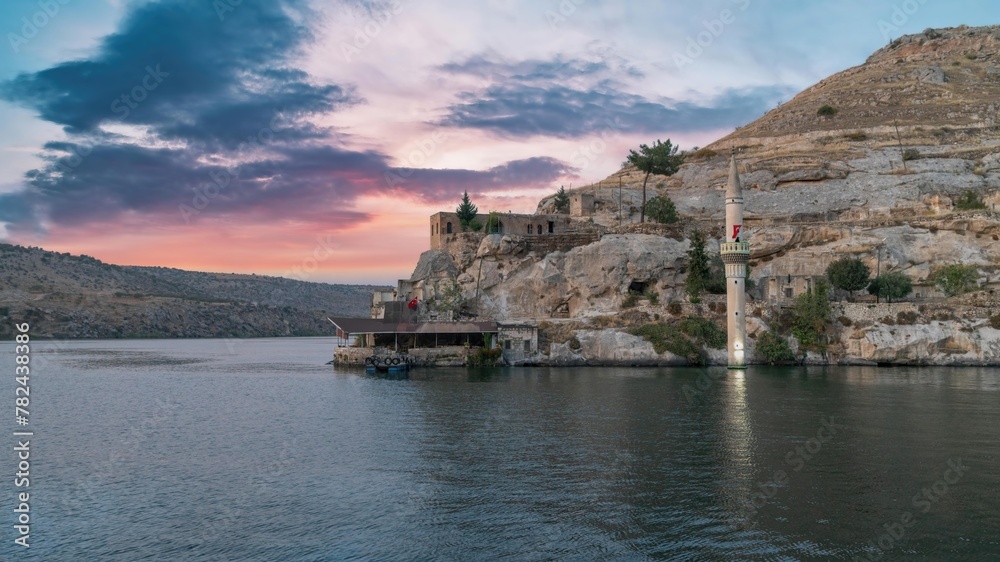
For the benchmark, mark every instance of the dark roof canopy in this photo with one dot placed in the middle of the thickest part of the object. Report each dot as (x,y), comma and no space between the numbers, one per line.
(378,326)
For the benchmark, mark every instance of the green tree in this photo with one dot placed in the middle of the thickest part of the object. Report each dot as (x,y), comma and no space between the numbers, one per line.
(891,286)
(562,200)
(849,274)
(812,317)
(969,201)
(699,271)
(466,211)
(955,279)
(662,209)
(772,349)
(661,158)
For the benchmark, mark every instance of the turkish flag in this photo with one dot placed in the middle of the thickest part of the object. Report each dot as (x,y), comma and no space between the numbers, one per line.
(412,303)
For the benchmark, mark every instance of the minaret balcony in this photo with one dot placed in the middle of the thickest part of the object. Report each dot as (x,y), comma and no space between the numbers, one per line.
(735,252)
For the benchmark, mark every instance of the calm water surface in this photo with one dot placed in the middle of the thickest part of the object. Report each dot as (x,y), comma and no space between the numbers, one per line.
(256,450)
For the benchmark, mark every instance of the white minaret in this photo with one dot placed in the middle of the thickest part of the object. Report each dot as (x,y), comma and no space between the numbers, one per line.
(735,254)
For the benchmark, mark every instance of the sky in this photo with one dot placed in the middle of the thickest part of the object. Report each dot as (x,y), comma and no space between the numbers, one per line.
(313,139)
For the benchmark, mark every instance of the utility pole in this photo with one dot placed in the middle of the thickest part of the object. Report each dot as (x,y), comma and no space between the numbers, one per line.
(619,201)
(900,141)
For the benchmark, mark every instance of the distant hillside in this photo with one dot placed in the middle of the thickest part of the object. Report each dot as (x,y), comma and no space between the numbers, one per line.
(68,296)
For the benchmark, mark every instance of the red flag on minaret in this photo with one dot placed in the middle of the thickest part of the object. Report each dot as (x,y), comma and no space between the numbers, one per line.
(412,303)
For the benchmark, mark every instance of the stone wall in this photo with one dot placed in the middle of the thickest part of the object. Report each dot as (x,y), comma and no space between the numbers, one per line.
(444,356)
(543,245)
(353,356)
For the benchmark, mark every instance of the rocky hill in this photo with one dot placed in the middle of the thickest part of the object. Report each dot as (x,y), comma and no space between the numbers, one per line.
(870,163)
(68,296)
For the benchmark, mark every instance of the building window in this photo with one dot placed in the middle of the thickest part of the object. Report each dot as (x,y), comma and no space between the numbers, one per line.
(529,229)
(448,228)
(539,229)
(527,345)
(788,293)
(506,345)
(552,227)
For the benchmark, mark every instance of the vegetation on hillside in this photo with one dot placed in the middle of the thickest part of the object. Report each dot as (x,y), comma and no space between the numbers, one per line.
(661,209)
(970,201)
(466,212)
(891,286)
(660,158)
(955,279)
(773,349)
(685,338)
(812,317)
(849,274)
(561,201)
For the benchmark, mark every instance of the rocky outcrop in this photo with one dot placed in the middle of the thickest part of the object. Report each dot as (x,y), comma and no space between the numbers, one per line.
(876,176)
(587,280)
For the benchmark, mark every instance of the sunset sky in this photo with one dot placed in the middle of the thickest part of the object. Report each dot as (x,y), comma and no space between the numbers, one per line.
(259,135)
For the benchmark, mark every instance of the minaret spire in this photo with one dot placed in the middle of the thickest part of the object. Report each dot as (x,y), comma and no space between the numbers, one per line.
(735,252)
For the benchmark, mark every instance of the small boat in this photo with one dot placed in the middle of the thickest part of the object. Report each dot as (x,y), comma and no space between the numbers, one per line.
(395,363)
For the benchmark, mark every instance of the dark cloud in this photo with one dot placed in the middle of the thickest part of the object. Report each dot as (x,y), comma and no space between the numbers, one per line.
(224,121)
(303,183)
(518,110)
(437,186)
(568,98)
(181,69)
(530,70)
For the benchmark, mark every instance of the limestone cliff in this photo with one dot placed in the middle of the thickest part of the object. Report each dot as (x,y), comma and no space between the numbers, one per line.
(867,163)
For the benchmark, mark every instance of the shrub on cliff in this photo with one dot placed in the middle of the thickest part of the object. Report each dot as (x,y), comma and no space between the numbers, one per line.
(483,357)
(661,209)
(773,349)
(826,111)
(955,279)
(666,337)
(704,331)
(970,201)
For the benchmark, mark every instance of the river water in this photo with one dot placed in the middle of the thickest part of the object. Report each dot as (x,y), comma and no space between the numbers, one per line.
(257,450)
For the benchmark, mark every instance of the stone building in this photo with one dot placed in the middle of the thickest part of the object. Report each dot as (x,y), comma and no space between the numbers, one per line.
(445,226)
(784,289)
(581,204)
